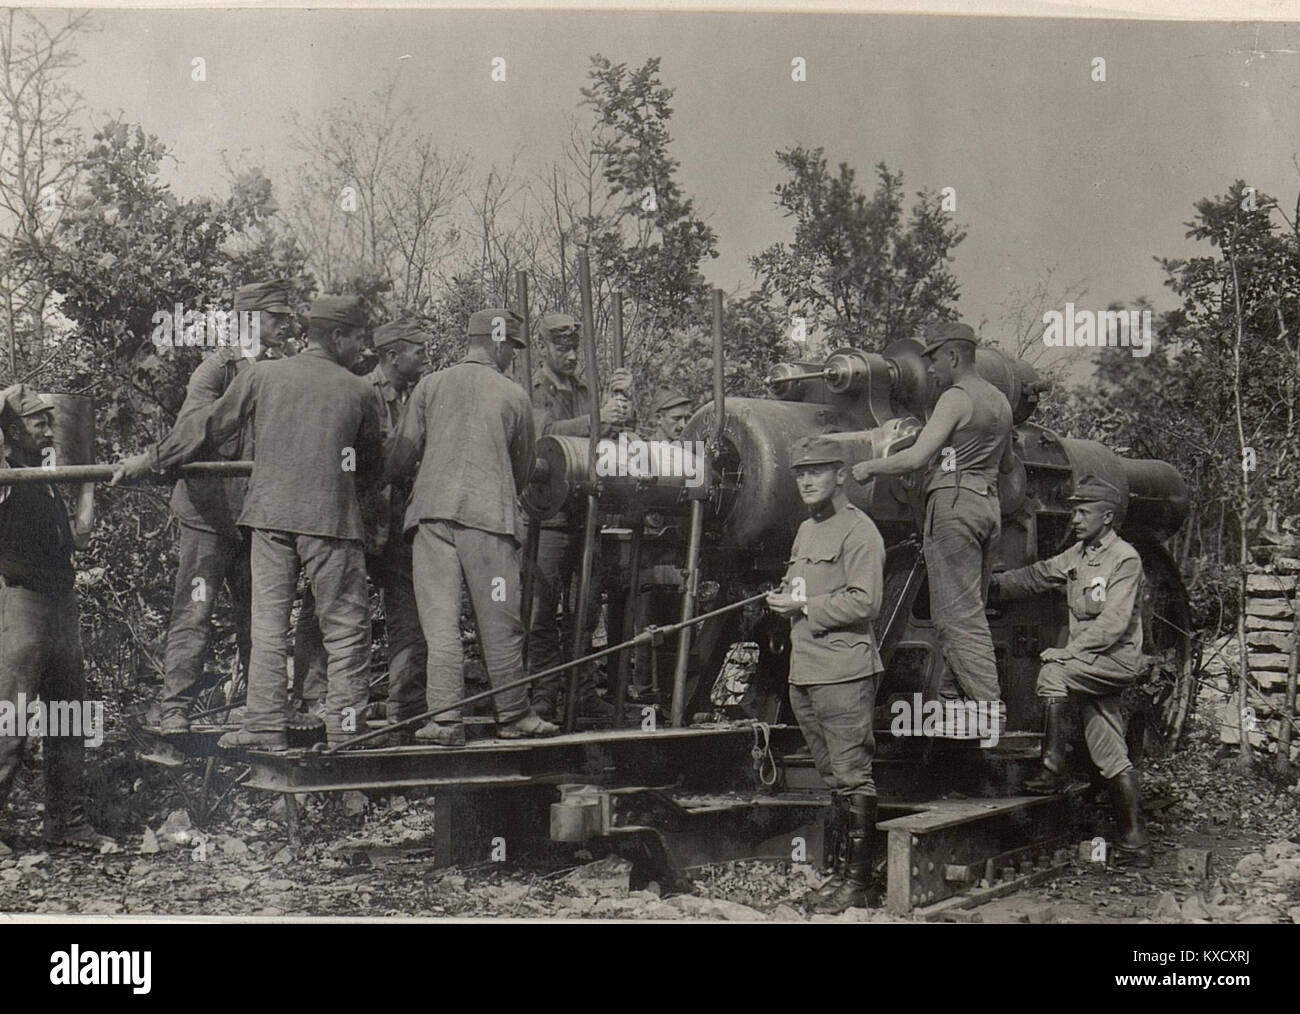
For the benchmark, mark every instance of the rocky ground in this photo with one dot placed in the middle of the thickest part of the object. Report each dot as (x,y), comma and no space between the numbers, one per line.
(371,855)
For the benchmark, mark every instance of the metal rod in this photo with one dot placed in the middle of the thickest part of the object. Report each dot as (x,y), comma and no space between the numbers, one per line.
(102,473)
(533,537)
(689,588)
(618,330)
(525,353)
(646,636)
(794,377)
(590,530)
(631,602)
(719,397)
(532,540)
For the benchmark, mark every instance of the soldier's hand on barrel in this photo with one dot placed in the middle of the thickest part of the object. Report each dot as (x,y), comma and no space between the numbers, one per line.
(135,467)
(1054,655)
(862,471)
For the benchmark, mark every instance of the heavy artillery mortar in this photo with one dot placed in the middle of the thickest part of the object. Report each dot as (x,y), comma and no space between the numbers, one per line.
(875,405)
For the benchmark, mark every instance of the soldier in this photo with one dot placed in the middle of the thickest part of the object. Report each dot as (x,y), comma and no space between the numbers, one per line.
(316,428)
(470,430)
(672,412)
(562,405)
(400,345)
(965,444)
(1101,575)
(40,635)
(212,548)
(832,592)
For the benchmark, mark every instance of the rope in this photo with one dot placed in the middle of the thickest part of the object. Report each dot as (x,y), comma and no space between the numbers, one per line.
(762,754)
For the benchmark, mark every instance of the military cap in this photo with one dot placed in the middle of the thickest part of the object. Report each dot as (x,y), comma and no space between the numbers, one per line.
(667,399)
(20,401)
(941,333)
(272,296)
(403,330)
(484,323)
(562,328)
(816,451)
(346,310)
(1094,489)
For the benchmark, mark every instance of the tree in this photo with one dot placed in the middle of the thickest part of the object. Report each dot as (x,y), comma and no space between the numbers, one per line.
(375,199)
(39,161)
(855,271)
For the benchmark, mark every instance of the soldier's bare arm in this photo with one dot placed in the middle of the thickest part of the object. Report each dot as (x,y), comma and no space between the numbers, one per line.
(952,408)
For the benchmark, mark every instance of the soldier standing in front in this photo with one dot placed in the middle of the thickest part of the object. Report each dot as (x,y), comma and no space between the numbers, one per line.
(1101,576)
(469,429)
(832,592)
(316,429)
(964,446)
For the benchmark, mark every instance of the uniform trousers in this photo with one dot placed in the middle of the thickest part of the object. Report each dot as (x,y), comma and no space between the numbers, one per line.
(559,557)
(40,655)
(444,551)
(392,573)
(836,720)
(337,571)
(1100,707)
(961,528)
(206,561)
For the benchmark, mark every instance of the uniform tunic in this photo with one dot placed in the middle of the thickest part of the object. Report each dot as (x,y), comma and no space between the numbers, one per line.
(837,567)
(316,429)
(1103,588)
(471,430)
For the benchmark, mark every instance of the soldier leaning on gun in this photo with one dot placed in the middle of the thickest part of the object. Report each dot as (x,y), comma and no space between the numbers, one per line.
(562,405)
(317,434)
(964,446)
(833,590)
(469,429)
(1101,576)
(212,548)
(400,344)
(40,634)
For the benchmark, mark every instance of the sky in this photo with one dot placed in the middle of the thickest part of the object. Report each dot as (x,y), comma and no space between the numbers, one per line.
(1050,168)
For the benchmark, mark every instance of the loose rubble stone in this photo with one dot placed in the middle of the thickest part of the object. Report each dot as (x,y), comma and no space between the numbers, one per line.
(354,803)
(232,846)
(1194,908)
(149,843)
(787,913)
(1165,907)
(1281,850)
(1251,865)
(610,875)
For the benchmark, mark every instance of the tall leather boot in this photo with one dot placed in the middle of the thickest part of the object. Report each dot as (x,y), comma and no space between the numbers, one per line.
(835,827)
(1134,846)
(1051,778)
(855,889)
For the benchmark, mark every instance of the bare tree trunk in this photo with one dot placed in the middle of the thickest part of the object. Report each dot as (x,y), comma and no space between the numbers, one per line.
(1245,757)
